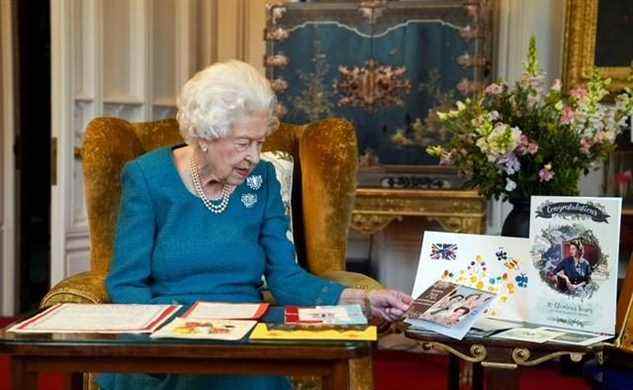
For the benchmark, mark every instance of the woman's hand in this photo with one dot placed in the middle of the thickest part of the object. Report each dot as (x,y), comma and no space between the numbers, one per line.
(388,304)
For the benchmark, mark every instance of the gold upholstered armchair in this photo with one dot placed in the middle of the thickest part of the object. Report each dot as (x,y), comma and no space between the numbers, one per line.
(324,181)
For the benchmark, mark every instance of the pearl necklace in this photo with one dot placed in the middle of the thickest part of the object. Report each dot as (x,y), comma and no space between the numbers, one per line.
(214,208)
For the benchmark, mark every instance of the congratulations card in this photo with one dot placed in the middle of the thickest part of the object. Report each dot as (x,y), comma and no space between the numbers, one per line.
(574,262)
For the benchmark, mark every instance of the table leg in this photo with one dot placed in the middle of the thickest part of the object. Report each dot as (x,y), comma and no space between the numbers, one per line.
(501,378)
(453,372)
(20,376)
(478,377)
(339,377)
(77,381)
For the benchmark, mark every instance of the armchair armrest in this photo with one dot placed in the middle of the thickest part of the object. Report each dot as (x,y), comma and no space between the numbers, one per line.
(86,287)
(353,280)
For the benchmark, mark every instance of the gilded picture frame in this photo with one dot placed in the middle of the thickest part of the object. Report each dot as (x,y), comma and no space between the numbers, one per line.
(581,41)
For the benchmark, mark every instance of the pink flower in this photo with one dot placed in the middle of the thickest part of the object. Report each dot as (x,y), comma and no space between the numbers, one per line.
(532,148)
(546,174)
(567,117)
(585,145)
(556,86)
(447,158)
(494,89)
(473,11)
(579,93)
(465,86)
(624,177)
(526,146)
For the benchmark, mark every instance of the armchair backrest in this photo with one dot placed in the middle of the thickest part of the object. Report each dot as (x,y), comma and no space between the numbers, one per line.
(326,162)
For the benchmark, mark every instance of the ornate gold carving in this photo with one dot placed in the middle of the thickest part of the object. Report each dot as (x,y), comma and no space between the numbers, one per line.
(369,224)
(277,60)
(455,211)
(469,32)
(477,351)
(372,86)
(281,110)
(600,357)
(580,47)
(466,60)
(275,12)
(460,224)
(521,356)
(278,34)
(372,10)
(503,366)
(279,85)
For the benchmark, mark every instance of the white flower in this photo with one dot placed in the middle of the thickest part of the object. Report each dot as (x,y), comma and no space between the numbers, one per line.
(510,185)
(559,105)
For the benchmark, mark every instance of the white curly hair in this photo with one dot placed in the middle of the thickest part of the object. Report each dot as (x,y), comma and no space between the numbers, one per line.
(219,95)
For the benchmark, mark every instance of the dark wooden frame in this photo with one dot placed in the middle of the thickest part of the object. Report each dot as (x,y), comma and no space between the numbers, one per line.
(328,360)
(497,363)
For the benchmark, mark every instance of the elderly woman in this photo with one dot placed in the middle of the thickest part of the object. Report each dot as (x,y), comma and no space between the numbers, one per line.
(187,232)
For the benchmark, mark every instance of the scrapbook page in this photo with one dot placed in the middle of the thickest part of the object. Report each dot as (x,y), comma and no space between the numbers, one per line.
(448,308)
(205,329)
(339,316)
(553,335)
(267,332)
(491,263)
(574,258)
(532,335)
(104,318)
(225,311)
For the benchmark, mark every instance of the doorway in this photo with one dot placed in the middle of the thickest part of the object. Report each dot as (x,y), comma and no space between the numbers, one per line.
(33,151)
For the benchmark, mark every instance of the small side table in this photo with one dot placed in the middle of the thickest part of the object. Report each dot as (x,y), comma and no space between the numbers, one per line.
(497,362)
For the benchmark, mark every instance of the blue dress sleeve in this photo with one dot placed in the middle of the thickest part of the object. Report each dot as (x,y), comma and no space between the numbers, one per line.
(290,284)
(128,280)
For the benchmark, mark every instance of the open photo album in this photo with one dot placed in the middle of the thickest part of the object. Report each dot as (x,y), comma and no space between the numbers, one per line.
(448,308)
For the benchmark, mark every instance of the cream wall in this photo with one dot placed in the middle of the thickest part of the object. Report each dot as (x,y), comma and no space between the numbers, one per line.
(517,21)
(7,228)
(129,59)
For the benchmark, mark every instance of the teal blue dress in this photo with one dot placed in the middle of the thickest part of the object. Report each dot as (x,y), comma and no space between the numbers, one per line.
(170,249)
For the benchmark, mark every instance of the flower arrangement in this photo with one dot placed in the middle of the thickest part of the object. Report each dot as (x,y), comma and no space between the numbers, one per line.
(532,140)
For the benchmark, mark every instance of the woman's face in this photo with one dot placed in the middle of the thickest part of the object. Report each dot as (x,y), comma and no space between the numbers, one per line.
(232,159)
(457,314)
(472,299)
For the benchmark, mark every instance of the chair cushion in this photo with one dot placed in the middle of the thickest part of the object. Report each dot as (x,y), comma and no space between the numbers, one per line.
(284,165)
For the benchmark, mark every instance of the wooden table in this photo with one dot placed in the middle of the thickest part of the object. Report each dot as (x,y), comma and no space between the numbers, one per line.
(497,362)
(78,353)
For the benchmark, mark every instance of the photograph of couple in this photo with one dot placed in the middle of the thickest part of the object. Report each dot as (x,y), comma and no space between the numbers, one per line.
(458,305)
